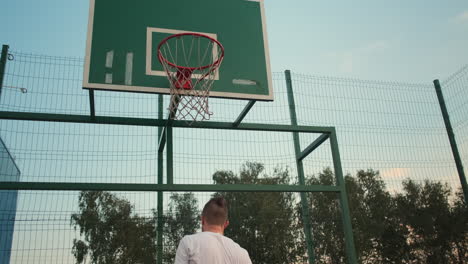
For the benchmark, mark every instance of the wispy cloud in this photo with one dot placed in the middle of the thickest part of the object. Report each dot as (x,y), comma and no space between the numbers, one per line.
(348,60)
(462,17)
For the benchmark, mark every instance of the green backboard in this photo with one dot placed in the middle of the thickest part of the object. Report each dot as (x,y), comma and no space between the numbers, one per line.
(123,35)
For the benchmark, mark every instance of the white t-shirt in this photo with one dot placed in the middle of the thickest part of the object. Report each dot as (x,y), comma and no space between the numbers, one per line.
(210,248)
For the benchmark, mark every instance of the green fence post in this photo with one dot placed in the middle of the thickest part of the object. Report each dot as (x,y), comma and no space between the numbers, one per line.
(451,136)
(300,170)
(3,60)
(160,181)
(345,214)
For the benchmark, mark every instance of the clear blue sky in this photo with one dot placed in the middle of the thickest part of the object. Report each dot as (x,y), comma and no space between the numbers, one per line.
(372,39)
(416,40)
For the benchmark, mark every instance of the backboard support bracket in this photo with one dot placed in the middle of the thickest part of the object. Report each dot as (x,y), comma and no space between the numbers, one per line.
(314,145)
(162,140)
(92,110)
(244,113)
(170,119)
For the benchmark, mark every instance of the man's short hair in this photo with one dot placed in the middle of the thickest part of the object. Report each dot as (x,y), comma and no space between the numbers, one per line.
(215,211)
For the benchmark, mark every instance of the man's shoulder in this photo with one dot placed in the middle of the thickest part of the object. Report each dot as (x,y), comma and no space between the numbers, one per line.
(241,253)
(234,245)
(194,236)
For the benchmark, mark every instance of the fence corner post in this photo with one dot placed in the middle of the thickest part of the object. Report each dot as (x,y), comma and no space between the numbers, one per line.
(3,61)
(451,136)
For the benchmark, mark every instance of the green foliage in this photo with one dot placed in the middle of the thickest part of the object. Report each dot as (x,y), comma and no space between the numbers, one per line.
(112,232)
(369,204)
(183,218)
(419,225)
(435,227)
(422,224)
(459,229)
(265,224)
(325,221)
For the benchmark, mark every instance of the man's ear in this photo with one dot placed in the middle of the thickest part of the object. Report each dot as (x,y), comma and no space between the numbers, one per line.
(202,220)
(226,224)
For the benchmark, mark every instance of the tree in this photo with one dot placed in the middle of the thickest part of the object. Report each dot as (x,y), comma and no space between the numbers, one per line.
(183,218)
(422,224)
(325,221)
(459,229)
(371,209)
(379,235)
(418,225)
(437,230)
(265,224)
(112,232)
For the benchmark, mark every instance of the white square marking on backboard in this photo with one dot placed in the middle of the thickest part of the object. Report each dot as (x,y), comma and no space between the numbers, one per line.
(149,49)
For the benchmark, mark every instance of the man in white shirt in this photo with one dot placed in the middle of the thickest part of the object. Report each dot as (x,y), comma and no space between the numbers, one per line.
(211,246)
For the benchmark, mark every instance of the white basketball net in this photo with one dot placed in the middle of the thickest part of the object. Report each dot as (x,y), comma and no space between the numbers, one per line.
(191,63)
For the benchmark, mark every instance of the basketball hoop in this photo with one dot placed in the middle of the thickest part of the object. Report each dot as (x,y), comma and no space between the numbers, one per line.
(191,62)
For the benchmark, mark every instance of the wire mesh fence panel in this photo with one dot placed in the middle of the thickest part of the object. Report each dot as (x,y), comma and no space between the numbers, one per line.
(50,226)
(58,152)
(198,154)
(455,89)
(37,83)
(46,84)
(62,227)
(121,227)
(395,128)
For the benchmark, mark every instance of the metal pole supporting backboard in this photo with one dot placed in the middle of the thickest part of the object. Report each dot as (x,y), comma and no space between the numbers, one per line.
(345,213)
(451,136)
(300,170)
(160,181)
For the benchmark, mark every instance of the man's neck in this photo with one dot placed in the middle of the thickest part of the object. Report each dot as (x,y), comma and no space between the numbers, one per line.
(213,229)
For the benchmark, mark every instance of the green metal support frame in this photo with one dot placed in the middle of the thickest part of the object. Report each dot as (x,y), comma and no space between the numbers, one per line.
(160,224)
(162,139)
(300,171)
(146,187)
(244,113)
(345,213)
(128,121)
(92,110)
(300,155)
(314,145)
(165,133)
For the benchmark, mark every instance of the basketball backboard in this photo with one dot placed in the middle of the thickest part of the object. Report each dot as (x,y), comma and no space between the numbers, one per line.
(123,36)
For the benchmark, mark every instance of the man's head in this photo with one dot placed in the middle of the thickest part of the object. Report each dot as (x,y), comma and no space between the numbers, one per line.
(215,215)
